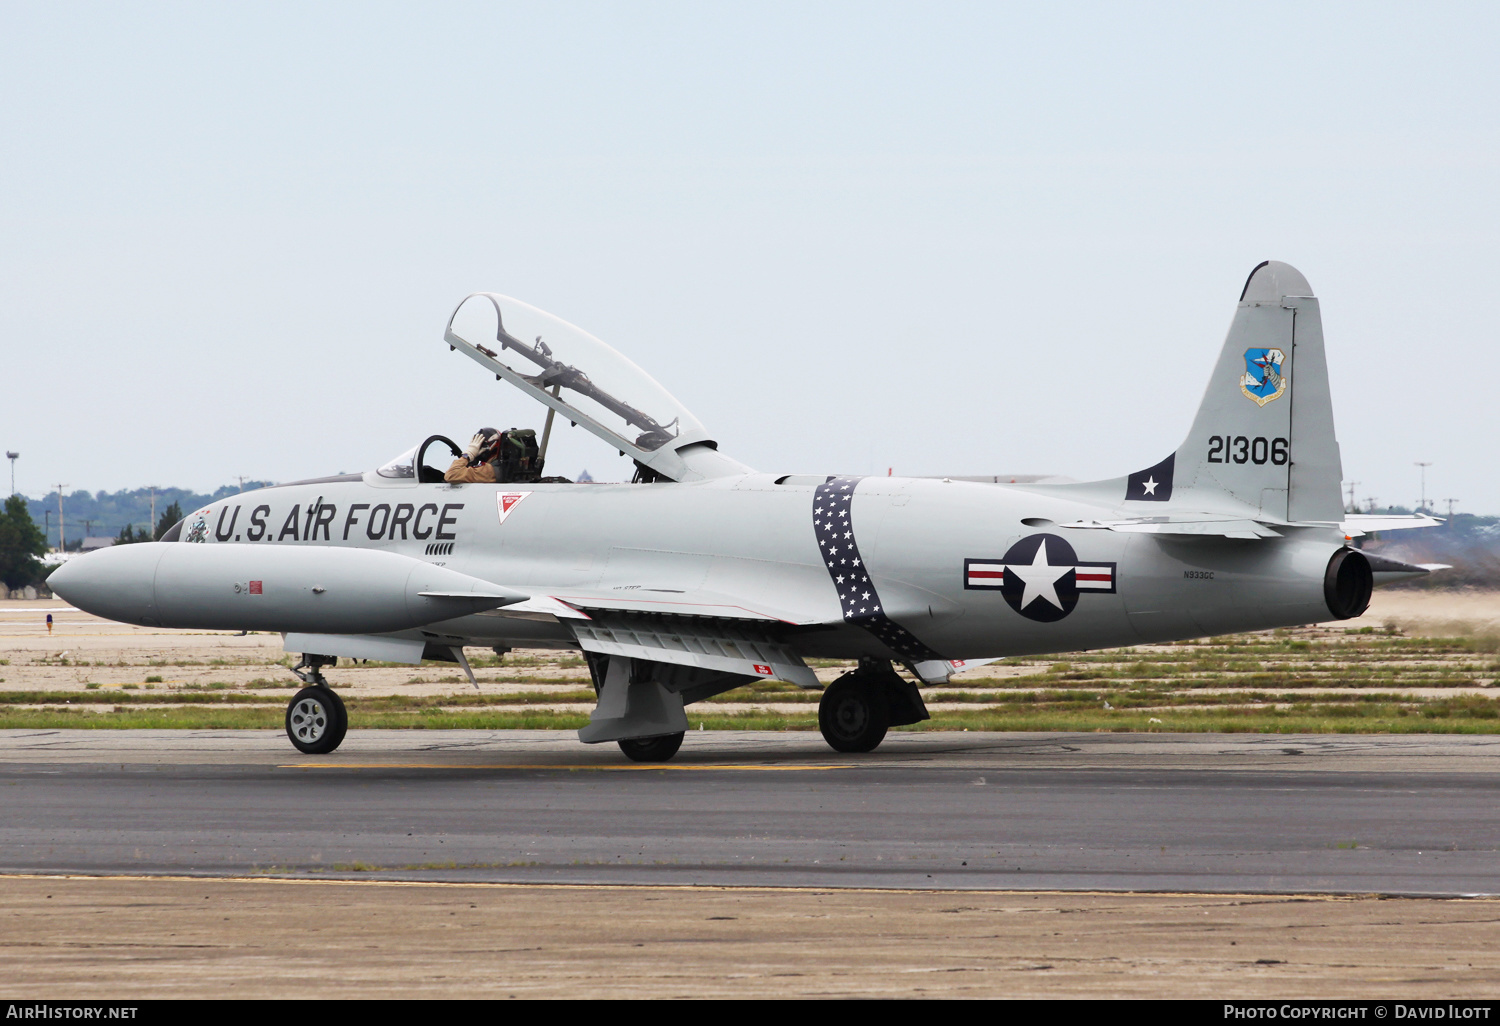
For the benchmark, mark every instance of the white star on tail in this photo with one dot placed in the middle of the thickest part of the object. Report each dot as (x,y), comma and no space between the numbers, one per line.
(1150,485)
(1040,578)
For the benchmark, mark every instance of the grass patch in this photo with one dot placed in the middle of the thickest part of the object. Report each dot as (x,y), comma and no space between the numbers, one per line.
(1311,718)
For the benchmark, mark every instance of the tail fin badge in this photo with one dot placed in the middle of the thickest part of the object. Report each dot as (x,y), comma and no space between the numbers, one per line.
(1263,380)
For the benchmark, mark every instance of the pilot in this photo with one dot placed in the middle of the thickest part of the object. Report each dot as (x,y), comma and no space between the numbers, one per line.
(479,463)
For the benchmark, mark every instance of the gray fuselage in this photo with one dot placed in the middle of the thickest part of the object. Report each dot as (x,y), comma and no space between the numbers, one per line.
(749,542)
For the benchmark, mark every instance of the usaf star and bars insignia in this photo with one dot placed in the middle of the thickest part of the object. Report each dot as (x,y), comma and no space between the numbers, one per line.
(1040,577)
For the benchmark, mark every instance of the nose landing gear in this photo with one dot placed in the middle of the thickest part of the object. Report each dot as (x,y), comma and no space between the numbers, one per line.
(316,720)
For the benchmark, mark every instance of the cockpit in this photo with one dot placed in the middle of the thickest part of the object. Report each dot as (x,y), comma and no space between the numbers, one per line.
(577,378)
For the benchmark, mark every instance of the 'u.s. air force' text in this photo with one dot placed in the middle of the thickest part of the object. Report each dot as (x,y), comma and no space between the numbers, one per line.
(320,521)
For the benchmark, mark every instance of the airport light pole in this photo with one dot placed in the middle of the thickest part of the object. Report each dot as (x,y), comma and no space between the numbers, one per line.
(12,456)
(1352,507)
(62,543)
(1424,466)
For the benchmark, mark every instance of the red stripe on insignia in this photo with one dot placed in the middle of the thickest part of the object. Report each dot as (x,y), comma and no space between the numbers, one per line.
(986,573)
(1091,577)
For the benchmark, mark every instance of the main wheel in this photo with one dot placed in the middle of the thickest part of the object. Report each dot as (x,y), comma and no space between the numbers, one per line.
(651,749)
(316,720)
(853,715)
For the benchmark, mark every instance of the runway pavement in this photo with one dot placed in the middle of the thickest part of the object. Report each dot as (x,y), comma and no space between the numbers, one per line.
(1411,814)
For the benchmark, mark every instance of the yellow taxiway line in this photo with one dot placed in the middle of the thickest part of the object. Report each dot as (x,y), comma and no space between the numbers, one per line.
(553,766)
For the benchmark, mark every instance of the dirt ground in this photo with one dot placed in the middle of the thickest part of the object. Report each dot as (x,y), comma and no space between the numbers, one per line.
(142,937)
(83,649)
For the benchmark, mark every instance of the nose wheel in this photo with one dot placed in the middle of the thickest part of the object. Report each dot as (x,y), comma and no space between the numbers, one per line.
(316,720)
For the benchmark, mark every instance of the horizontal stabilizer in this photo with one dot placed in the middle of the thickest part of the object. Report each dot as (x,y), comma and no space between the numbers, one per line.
(1192,524)
(1357,524)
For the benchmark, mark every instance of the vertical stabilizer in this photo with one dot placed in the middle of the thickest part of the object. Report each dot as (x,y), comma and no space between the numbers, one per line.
(1263,437)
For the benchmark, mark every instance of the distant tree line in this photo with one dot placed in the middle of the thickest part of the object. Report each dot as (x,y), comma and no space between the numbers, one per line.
(130,533)
(107,514)
(21,545)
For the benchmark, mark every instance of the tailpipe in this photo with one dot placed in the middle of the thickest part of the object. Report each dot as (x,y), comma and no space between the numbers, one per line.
(1347,583)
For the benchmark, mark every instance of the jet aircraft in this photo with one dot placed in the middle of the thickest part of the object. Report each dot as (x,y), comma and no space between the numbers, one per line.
(703,575)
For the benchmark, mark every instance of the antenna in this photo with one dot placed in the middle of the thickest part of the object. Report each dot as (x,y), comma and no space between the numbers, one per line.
(1424,465)
(1352,507)
(241,479)
(12,456)
(1451,503)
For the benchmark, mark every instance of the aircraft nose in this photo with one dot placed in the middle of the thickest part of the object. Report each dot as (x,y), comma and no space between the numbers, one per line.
(64,580)
(115,583)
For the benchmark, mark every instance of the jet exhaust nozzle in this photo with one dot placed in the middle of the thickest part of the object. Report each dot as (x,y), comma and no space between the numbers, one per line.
(1348,583)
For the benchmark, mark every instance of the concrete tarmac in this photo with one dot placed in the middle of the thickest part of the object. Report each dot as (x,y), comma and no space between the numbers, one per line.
(1283,814)
(496,864)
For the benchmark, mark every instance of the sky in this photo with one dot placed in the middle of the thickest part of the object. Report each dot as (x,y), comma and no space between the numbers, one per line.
(938,238)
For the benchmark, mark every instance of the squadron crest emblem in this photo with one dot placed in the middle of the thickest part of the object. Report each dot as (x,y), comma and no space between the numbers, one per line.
(198,531)
(1263,380)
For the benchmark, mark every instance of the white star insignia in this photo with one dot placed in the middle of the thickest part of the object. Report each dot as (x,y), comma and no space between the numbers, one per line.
(1040,577)
(1150,485)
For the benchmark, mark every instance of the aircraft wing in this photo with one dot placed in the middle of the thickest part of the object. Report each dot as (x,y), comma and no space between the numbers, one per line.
(702,629)
(580,603)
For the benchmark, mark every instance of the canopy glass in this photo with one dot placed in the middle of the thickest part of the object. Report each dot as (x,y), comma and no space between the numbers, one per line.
(568,369)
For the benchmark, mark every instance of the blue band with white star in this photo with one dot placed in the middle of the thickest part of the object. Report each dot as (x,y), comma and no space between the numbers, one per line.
(833,522)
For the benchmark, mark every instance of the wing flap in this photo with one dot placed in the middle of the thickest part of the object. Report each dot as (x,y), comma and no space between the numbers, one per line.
(725,646)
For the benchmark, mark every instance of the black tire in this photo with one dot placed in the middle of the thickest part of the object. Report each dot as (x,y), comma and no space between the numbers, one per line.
(316,720)
(651,749)
(854,715)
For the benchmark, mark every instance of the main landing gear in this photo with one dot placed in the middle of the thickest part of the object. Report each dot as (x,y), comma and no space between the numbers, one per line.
(651,749)
(316,720)
(859,707)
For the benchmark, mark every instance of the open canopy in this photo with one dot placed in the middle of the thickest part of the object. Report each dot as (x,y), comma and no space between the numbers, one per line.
(571,371)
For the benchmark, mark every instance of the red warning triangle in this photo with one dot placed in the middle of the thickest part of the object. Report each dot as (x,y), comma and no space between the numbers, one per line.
(507,501)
